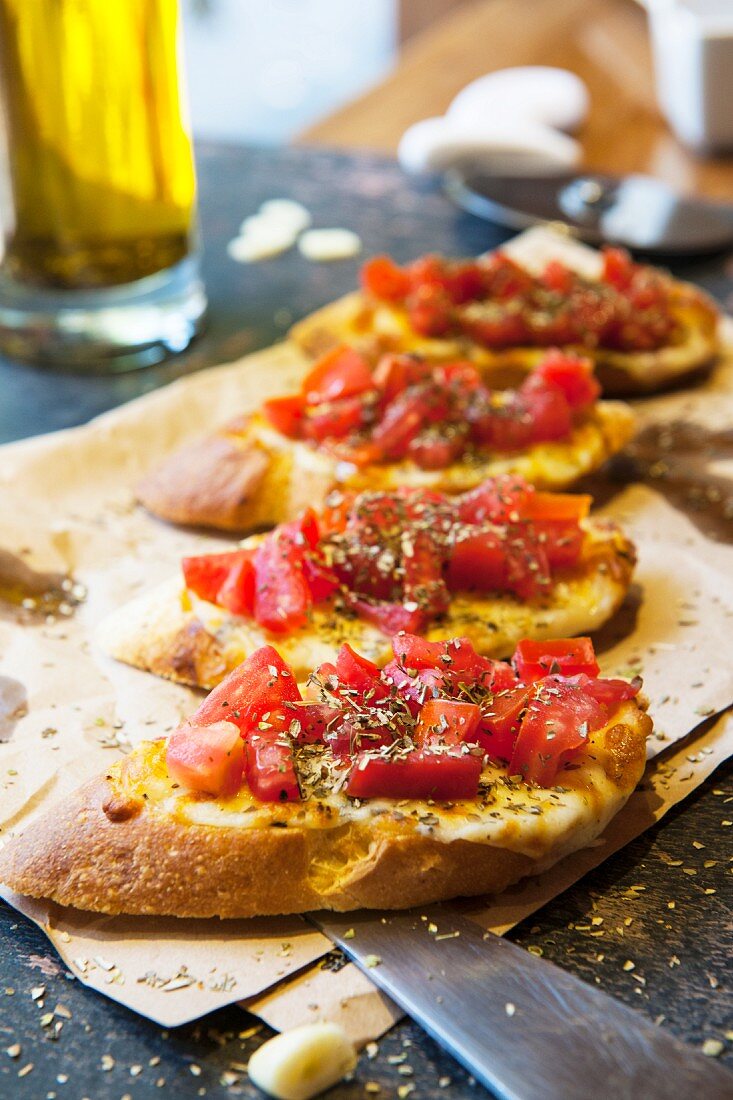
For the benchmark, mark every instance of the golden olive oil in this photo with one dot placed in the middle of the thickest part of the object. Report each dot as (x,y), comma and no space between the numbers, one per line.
(100,180)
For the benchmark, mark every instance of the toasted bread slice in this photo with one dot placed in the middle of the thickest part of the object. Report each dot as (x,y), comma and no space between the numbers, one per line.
(134,842)
(180,637)
(248,477)
(376,327)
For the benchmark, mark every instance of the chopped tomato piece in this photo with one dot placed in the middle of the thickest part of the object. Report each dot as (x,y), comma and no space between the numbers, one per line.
(260,684)
(334,516)
(609,693)
(559,507)
(282,596)
(315,720)
(494,326)
(285,414)
(573,374)
(430,310)
(334,420)
(497,500)
(548,410)
(382,277)
(500,721)
(447,722)
(415,687)
(478,561)
(339,373)
(269,767)
(391,618)
(423,582)
(206,573)
(207,758)
(557,721)
(394,373)
(558,277)
(618,268)
(504,277)
(237,593)
(359,674)
(436,450)
(564,657)
(443,776)
(456,660)
(321,580)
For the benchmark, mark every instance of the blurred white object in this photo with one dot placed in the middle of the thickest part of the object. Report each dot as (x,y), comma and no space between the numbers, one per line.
(302,1062)
(324,245)
(553,97)
(692,42)
(502,146)
(286,212)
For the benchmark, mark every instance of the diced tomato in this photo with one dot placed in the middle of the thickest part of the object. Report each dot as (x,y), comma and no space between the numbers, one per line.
(321,580)
(401,423)
(441,776)
(461,373)
(465,282)
(500,721)
(315,720)
(282,596)
(269,767)
(390,618)
(415,687)
(447,722)
(495,327)
(382,277)
(392,375)
(334,515)
(504,278)
(285,414)
(478,561)
(237,593)
(497,500)
(556,507)
(558,277)
(609,693)
(260,684)
(528,568)
(547,409)
(435,451)
(456,660)
(340,373)
(574,376)
(423,582)
(206,573)
(334,420)
(556,723)
(564,657)
(430,310)
(618,268)
(207,758)
(555,519)
(359,674)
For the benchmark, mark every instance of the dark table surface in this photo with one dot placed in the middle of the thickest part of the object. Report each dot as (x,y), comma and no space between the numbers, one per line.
(675,925)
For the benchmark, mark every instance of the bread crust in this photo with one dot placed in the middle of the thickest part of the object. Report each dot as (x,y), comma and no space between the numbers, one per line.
(110,849)
(247,477)
(375,328)
(163,633)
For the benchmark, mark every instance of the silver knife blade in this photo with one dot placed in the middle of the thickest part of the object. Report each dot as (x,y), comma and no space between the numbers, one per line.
(524,1027)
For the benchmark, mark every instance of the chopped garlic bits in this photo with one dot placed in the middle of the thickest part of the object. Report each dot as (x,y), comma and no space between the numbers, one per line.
(323,245)
(302,1062)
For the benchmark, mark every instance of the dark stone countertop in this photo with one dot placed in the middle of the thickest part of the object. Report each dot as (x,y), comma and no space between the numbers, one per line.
(675,925)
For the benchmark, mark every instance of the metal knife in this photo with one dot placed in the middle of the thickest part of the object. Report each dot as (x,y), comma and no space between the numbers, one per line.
(523,1027)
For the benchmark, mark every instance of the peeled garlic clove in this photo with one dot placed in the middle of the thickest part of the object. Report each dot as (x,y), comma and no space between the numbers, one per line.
(540,93)
(323,245)
(286,212)
(300,1063)
(502,146)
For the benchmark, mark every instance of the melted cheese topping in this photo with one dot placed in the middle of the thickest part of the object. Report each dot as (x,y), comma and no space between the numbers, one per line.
(578,602)
(509,814)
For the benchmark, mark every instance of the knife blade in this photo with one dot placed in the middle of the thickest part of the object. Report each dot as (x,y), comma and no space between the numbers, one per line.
(525,1028)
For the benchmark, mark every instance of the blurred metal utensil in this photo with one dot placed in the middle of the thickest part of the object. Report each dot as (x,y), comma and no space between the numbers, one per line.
(639,212)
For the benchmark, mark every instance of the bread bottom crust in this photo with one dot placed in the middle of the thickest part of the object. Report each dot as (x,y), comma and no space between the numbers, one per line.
(110,849)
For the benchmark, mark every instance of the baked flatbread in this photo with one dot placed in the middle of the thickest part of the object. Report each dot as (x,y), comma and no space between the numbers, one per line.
(137,840)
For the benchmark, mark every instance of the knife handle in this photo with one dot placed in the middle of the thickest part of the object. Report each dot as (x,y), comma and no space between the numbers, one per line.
(525,1028)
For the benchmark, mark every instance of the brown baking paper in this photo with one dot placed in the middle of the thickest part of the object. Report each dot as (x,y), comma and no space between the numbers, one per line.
(67,500)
